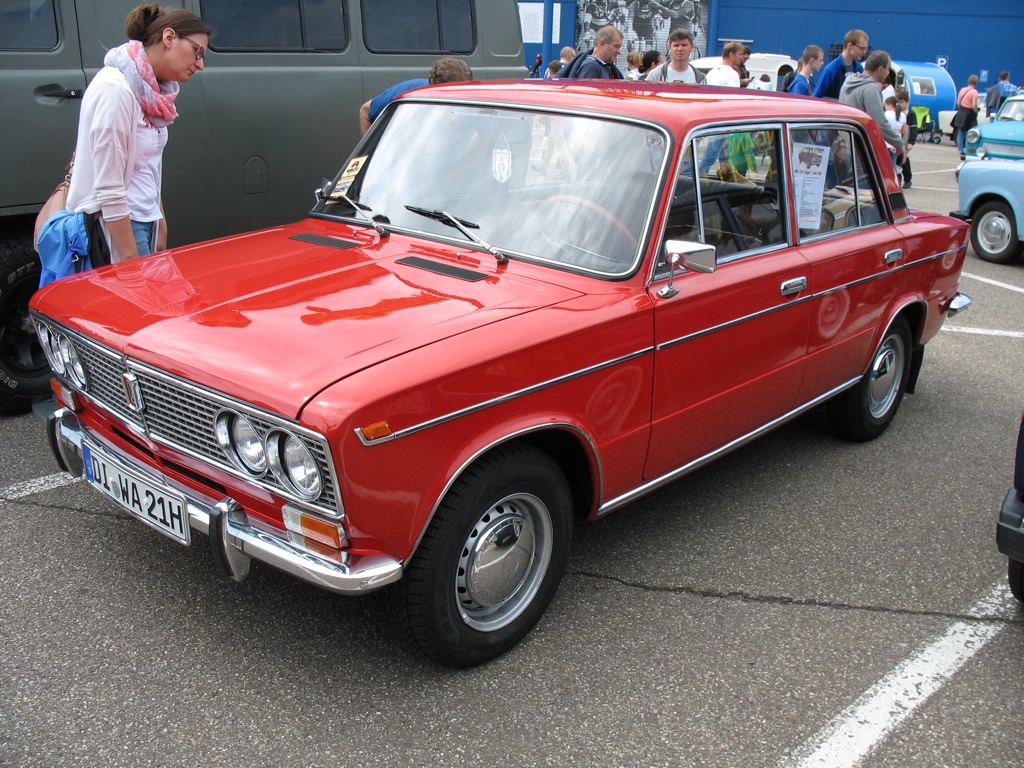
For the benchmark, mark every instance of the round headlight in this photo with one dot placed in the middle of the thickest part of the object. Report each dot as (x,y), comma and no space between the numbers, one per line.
(53,354)
(981,152)
(241,442)
(72,362)
(973,135)
(44,341)
(294,465)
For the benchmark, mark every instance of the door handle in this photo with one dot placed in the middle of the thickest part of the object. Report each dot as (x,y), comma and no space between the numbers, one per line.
(66,93)
(790,287)
(891,257)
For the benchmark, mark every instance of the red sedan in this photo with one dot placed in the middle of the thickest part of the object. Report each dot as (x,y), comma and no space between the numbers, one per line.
(516,306)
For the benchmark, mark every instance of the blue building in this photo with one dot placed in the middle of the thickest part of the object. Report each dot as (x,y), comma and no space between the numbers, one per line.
(981,37)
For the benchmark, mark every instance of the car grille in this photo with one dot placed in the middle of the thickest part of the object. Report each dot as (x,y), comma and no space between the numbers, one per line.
(1005,149)
(182,415)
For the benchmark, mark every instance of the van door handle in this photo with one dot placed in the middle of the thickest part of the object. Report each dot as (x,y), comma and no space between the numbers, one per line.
(790,287)
(891,257)
(67,93)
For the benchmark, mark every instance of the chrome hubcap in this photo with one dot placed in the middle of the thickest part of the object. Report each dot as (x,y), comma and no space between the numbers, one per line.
(994,233)
(503,562)
(886,374)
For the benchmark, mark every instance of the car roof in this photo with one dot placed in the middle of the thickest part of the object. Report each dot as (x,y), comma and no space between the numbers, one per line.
(682,108)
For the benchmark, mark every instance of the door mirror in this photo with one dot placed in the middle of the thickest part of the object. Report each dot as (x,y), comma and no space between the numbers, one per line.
(699,257)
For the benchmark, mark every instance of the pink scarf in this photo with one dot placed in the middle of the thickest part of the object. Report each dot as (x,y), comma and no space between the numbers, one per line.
(156,97)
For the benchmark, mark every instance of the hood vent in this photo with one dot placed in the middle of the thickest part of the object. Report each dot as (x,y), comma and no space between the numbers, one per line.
(330,242)
(442,269)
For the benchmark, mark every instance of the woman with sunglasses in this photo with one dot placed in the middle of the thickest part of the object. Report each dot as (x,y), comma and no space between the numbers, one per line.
(122,129)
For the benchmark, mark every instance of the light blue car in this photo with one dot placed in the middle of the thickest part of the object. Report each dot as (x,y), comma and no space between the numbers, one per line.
(992,199)
(1003,137)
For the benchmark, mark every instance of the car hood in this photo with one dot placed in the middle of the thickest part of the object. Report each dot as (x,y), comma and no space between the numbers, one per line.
(274,317)
(1003,131)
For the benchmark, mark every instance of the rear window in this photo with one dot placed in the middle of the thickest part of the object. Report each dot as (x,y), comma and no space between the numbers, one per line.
(419,26)
(277,25)
(27,25)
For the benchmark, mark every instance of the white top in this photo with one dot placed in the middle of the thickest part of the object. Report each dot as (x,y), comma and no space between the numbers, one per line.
(118,157)
(686,76)
(723,74)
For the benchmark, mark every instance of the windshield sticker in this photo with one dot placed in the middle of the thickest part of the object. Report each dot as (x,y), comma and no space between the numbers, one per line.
(809,164)
(355,165)
(501,161)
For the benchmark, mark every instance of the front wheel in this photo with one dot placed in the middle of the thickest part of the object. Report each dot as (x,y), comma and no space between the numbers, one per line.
(24,374)
(864,411)
(994,233)
(491,560)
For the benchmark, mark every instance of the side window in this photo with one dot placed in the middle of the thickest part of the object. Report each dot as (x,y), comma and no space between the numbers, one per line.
(277,25)
(832,182)
(738,191)
(27,25)
(419,26)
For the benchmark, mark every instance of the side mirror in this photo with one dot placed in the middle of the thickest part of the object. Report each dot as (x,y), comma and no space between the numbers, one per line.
(689,255)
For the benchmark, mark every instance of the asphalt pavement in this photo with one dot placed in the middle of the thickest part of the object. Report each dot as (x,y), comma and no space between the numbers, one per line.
(803,601)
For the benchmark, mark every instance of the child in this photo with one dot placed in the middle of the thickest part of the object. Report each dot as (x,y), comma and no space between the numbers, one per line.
(911,137)
(898,121)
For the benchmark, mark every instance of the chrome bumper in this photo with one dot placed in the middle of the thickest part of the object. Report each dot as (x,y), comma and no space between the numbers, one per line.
(234,540)
(961,302)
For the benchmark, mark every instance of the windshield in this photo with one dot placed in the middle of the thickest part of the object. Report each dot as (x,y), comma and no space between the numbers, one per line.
(1012,110)
(573,191)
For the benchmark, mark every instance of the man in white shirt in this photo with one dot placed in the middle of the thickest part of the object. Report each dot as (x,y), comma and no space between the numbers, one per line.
(677,69)
(725,73)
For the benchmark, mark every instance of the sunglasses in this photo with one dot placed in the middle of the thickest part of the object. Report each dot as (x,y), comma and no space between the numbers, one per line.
(200,49)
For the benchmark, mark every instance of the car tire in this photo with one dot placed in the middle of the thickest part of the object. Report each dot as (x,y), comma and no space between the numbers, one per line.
(24,374)
(864,411)
(994,233)
(490,560)
(1015,575)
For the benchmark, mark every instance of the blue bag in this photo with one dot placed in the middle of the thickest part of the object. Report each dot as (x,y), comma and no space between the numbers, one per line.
(63,246)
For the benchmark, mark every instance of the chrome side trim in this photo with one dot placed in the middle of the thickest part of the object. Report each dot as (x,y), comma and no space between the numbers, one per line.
(802,299)
(502,398)
(620,501)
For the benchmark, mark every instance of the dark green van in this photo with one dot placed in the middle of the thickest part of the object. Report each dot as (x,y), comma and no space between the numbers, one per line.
(275,110)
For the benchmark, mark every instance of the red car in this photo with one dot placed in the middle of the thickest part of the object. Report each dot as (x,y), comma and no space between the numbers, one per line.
(517,306)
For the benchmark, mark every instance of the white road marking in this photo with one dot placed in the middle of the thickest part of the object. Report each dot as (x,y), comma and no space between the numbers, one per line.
(37,485)
(863,725)
(983,331)
(990,281)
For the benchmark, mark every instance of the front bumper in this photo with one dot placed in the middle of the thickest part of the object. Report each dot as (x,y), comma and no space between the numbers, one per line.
(1010,530)
(234,538)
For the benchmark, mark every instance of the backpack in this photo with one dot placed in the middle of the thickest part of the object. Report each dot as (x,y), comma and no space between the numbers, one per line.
(788,81)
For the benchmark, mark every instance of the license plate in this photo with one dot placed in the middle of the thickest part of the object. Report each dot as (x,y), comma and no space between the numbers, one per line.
(152,504)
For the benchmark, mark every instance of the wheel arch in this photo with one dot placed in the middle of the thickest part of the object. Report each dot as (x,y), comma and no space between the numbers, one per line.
(564,443)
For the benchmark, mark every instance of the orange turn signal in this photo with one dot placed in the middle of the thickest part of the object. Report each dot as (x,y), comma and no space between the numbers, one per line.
(376,431)
(315,528)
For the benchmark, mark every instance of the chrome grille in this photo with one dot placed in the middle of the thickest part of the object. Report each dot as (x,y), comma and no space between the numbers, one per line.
(1005,149)
(181,415)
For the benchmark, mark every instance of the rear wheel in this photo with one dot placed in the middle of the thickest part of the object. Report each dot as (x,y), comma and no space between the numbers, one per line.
(491,560)
(864,411)
(24,374)
(994,233)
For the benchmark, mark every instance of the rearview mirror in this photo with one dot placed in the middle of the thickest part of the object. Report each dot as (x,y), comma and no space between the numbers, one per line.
(699,257)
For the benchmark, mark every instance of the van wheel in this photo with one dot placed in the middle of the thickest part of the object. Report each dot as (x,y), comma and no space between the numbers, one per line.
(994,233)
(864,411)
(491,560)
(24,374)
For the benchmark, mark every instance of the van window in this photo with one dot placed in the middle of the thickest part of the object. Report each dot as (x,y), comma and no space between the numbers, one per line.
(277,25)
(420,26)
(27,25)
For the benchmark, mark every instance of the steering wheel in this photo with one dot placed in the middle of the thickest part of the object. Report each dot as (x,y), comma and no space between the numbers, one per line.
(608,217)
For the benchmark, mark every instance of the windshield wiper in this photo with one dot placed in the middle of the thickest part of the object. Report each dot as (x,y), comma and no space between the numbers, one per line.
(359,209)
(463,226)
